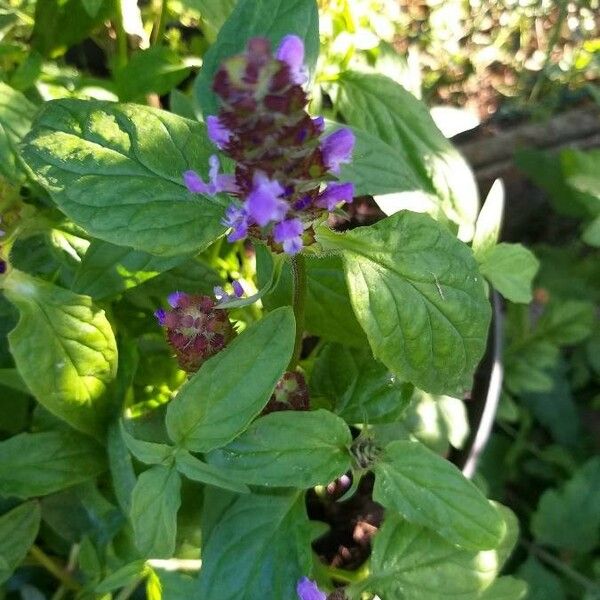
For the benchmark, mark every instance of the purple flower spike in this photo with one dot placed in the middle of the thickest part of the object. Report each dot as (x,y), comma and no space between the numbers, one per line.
(238,290)
(218,134)
(160,315)
(337,148)
(291,52)
(308,590)
(264,204)
(289,233)
(335,193)
(237,219)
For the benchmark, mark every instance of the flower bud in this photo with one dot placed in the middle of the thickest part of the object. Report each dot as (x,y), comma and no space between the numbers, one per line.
(290,393)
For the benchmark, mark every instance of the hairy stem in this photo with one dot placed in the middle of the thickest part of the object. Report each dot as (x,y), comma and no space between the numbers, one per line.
(159,27)
(298,304)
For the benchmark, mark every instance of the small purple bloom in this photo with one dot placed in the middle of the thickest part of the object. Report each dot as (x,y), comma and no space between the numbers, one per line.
(238,290)
(237,219)
(217,182)
(308,590)
(337,148)
(174,298)
(319,123)
(291,52)
(263,203)
(335,193)
(289,233)
(218,134)
(160,316)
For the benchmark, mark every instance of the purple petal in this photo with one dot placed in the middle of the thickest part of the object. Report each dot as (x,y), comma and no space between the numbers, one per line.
(319,123)
(337,148)
(174,298)
(238,290)
(286,230)
(218,134)
(194,183)
(263,203)
(237,219)
(160,315)
(291,52)
(308,590)
(335,193)
(220,293)
(293,245)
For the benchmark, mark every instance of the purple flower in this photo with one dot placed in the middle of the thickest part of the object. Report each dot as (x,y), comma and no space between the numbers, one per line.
(237,219)
(319,123)
(291,52)
(217,182)
(289,233)
(160,315)
(222,296)
(308,590)
(335,193)
(337,148)
(238,290)
(263,203)
(174,298)
(218,134)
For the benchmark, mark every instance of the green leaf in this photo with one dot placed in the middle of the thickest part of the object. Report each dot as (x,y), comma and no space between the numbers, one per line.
(11,378)
(150,453)
(383,108)
(154,505)
(413,563)
(288,449)
(260,548)
(18,530)
(157,69)
(193,468)
(116,170)
(121,467)
(272,19)
(591,233)
(489,221)
(329,313)
(64,349)
(122,577)
(214,13)
(428,490)
(566,323)
(60,24)
(543,583)
(107,270)
(581,172)
(510,268)
(419,297)
(231,388)
(360,389)
(378,167)
(569,518)
(37,464)
(16,114)
(506,588)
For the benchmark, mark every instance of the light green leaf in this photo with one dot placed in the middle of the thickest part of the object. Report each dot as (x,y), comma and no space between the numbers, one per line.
(193,468)
(419,297)
(591,233)
(37,464)
(16,114)
(428,490)
(581,171)
(116,170)
(64,349)
(150,453)
(506,588)
(413,563)
(260,547)
(154,505)
(569,518)
(272,19)
(107,270)
(288,449)
(18,530)
(510,268)
(157,69)
(566,323)
(11,378)
(213,12)
(383,108)
(360,389)
(121,467)
(489,221)
(543,583)
(231,388)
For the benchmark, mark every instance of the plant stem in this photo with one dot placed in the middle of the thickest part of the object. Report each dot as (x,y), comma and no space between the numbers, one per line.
(298,302)
(45,561)
(159,27)
(560,566)
(122,56)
